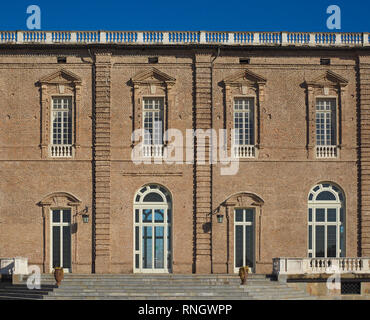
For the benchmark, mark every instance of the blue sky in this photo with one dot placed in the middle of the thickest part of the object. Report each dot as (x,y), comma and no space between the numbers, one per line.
(227,15)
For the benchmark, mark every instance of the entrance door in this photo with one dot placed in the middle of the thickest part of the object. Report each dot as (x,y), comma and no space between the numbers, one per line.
(153,240)
(244,244)
(61,239)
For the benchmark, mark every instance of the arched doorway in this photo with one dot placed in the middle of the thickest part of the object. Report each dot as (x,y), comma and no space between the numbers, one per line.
(152,230)
(326,221)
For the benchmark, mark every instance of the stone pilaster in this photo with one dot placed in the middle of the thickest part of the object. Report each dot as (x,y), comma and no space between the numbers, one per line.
(203,171)
(364,155)
(101,165)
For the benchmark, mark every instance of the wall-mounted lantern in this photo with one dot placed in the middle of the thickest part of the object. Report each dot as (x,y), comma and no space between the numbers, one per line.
(220,218)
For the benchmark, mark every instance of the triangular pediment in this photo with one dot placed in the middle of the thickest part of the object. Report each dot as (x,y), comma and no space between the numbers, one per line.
(152,75)
(61,76)
(329,78)
(244,76)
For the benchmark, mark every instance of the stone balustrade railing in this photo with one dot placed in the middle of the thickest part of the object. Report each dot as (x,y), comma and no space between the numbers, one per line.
(315,39)
(17,265)
(287,266)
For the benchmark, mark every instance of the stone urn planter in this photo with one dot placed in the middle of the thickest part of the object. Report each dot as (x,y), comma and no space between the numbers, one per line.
(58,275)
(243,274)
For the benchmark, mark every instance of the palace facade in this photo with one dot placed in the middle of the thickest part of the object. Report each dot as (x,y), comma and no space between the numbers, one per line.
(296,110)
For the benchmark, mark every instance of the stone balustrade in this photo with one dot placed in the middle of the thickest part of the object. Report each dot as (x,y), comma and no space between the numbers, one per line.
(311,39)
(287,266)
(17,265)
(61,151)
(244,151)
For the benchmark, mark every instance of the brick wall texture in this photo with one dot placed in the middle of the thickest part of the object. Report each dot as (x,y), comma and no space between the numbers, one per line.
(108,85)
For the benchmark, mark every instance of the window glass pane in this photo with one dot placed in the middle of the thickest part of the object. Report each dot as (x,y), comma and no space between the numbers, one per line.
(320,215)
(136,215)
(169,256)
(67,215)
(137,235)
(56,215)
(332,215)
(66,246)
(320,241)
(147,215)
(147,247)
(310,215)
(249,246)
(158,215)
(159,248)
(342,242)
(310,237)
(169,213)
(332,241)
(169,238)
(238,246)
(249,213)
(238,215)
(325,195)
(153,197)
(341,215)
(56,246)
(137,260)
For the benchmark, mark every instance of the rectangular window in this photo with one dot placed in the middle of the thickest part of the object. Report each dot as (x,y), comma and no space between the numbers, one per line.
(153,109)
(244,121)
(326,125)
(61,127)
(62,120)
(244,128)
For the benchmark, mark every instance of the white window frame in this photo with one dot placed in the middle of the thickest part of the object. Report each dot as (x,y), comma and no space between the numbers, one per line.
(327,150)
(165,206)
(243,224)
(63,150)
(60,224)
(338,204)
(155,147)
(244,150)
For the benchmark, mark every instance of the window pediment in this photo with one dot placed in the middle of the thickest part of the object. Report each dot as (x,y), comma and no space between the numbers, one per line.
(60,199)
(152,76)
(61,76)
(243,199)
(244,77)
(329,79)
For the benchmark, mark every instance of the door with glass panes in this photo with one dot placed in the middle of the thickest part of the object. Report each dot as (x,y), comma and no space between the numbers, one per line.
(61,252)
(153,239)
(244,235)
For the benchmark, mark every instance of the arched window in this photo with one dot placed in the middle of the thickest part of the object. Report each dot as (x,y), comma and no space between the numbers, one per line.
(326,221)
(152,229)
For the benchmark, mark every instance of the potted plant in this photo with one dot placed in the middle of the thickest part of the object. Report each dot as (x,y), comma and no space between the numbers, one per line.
(58,275)
(243,274)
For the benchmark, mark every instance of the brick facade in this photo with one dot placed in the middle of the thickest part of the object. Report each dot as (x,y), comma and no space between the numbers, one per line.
(198,85)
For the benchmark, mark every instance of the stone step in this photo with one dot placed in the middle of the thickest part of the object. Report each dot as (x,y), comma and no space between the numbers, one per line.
(169,287)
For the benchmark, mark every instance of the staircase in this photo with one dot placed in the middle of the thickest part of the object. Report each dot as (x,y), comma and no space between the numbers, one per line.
(155,287)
